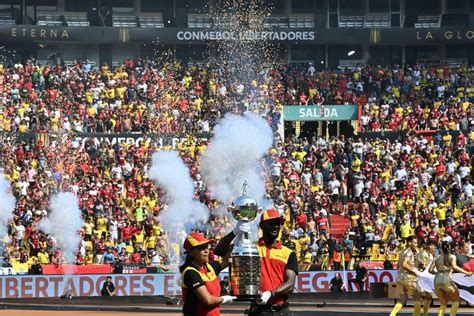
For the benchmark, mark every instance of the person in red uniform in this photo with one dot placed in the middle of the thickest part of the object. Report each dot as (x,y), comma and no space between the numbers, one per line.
(279,265)
(199,279)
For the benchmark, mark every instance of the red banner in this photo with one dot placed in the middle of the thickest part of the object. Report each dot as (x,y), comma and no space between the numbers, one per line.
(75,269)
(376,265)
(469,266)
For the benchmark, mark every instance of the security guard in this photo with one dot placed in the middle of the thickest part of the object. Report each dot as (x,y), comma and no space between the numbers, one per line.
(199,279)
(278,263)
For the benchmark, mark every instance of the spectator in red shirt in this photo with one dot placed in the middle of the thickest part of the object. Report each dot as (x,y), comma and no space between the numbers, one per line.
(136,256)
(323,223)
(301,220)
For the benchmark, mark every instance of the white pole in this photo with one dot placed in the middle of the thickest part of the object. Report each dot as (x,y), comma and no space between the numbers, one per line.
(344,271)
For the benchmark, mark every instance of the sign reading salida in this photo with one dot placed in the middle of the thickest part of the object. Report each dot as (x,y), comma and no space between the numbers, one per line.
(320,112)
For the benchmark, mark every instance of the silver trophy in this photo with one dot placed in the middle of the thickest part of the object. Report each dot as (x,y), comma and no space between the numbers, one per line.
(244,259)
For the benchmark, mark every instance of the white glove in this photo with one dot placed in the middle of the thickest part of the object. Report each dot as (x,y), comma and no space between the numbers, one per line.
(241,228)
(265,297)
(228,299)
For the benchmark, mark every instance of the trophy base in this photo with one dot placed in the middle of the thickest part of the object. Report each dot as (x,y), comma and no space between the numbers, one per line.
(248,298)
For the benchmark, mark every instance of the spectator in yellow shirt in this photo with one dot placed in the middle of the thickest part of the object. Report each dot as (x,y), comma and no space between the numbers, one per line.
(356,164)
(405,230)
(441,214)
(43,256)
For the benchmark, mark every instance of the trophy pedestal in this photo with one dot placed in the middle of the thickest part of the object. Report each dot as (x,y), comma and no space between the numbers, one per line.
(245,272)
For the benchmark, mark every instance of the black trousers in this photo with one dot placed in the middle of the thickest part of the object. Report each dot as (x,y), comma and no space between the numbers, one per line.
(283,312)
(358,282)
(266,310)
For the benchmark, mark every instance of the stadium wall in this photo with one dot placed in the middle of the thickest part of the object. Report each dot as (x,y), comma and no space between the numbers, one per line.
(327,45)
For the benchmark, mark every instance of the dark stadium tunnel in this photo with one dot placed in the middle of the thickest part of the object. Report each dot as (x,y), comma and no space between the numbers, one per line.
(310,128)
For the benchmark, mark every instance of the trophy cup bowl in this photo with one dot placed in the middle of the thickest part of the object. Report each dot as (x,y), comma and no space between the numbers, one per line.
(245,260)
(244,208)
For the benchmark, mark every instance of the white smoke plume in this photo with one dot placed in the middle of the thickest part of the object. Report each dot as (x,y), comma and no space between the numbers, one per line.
(44,225)
(7,204)
(169,172)
(64,223)
(233,157)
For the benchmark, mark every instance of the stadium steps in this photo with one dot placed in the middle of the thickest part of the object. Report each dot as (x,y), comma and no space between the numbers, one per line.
(339,224)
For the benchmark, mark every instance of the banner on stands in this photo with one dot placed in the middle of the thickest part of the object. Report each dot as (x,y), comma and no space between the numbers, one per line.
(7,271)
(463,283)
(20,268)
(112,138)
(76,269)
(132,138)
(393,135)
(128,268)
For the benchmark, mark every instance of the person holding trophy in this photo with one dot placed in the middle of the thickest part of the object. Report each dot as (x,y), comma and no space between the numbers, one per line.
(199,278)
(276,263)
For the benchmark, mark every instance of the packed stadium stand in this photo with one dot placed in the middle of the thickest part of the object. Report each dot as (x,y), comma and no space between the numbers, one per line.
(87,98)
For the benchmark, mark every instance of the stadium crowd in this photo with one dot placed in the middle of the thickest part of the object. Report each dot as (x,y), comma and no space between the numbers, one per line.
(389,189)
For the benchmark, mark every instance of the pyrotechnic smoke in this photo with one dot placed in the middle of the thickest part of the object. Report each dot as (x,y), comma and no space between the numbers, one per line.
(183,212)
(44,225)
(7,204)
(64,223)
(234,155)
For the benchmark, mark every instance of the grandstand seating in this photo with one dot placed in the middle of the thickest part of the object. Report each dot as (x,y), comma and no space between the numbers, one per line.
(351,21)
(294,21)
(6,18)
(371,21)
(48,19)
(154,21)
(367,21)
(76,19)
(199,21)
(428,21)
(301,21)
(276,21)
(124,20)
(71,63)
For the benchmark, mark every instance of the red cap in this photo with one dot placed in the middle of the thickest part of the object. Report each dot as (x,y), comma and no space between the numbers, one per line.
(194,240)
(271,214)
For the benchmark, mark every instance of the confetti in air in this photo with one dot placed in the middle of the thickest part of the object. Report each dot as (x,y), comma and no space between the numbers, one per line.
(242,58)
(7,56)
(227,74)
